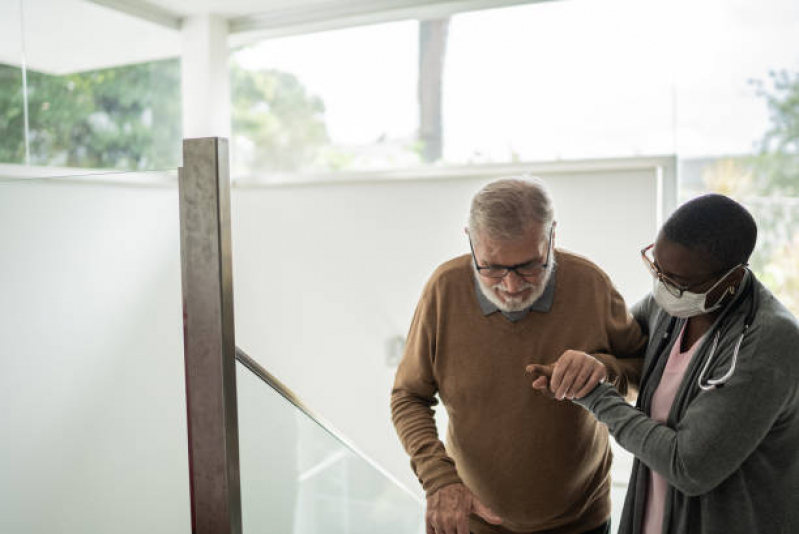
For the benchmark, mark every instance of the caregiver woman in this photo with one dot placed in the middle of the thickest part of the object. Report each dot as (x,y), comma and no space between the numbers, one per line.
(715,432)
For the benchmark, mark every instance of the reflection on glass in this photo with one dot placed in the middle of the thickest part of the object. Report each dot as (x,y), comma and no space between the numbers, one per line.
(91,359)
(296,478)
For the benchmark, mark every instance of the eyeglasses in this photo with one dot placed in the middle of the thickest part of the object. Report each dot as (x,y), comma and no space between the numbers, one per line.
(671,286)
(529,269)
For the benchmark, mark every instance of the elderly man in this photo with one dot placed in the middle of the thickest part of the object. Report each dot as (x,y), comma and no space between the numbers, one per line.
(516,461)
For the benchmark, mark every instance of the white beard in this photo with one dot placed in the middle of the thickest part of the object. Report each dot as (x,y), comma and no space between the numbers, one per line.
(511,304)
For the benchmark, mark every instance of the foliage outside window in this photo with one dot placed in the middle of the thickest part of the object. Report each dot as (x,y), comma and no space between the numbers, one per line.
(343,100)
(277,125)
(126,118)
(768,184)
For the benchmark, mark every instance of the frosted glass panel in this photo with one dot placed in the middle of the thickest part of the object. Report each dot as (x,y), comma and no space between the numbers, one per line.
(91,360)
(298,478)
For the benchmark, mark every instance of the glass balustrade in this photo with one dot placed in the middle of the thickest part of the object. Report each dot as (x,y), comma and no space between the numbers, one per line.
(299,477)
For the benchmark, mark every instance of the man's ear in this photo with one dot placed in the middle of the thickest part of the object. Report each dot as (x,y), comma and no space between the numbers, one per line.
(466,230)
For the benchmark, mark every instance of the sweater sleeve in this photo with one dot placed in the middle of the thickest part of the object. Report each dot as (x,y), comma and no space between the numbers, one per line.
(412,401)
(627,344)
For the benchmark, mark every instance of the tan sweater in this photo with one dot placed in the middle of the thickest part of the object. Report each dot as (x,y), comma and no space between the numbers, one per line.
(540,464)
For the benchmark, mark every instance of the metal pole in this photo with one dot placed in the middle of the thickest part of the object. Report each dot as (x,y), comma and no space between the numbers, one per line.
(208,337)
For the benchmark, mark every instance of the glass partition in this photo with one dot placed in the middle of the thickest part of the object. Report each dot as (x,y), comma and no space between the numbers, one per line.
(298,477)
(91,361)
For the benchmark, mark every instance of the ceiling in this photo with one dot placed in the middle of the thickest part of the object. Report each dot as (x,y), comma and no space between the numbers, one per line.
(62,36)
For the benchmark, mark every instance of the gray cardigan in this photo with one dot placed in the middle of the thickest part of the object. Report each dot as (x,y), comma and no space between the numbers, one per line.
(731,454)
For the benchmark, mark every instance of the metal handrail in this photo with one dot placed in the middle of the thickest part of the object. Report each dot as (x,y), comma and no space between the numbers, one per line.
(273,382)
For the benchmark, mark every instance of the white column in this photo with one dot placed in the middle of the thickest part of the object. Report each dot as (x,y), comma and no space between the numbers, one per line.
(205,77)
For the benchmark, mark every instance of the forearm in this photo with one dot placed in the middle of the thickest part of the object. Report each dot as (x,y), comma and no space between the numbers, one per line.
(684,466)
(623,373)
(414,421)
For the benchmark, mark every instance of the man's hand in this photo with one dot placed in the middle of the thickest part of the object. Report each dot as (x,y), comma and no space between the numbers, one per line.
(541,375)
(573,376)
(448,510)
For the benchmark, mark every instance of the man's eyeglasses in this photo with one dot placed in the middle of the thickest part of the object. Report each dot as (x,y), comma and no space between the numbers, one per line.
(529,269)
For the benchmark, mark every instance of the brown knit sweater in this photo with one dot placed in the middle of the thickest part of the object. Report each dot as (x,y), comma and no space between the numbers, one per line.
(540,464)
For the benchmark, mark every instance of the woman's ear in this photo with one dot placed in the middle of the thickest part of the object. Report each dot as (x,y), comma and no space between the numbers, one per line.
(724,293)
(737,277)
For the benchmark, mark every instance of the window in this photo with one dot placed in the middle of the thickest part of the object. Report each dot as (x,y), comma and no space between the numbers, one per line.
(714,82)
(79,88)
(338,100)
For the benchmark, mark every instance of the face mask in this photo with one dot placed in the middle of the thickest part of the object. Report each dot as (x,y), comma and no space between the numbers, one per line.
(689,304)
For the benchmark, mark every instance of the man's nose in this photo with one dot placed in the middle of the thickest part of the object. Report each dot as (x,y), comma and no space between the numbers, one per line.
(513,282)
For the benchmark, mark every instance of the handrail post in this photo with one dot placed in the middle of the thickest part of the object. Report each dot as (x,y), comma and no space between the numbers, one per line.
(208,337)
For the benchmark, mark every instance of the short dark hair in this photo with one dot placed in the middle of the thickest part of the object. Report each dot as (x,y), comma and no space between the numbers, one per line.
(715,225)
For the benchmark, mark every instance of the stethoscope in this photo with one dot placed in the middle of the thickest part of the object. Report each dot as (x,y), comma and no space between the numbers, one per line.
(703,381)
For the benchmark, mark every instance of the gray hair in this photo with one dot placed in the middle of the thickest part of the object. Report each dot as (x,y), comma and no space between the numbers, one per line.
(505,208)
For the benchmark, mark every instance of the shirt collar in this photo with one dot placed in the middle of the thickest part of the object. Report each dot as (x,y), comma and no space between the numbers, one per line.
(542,304)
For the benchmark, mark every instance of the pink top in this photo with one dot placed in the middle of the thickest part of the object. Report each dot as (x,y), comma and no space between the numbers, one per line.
(661,406)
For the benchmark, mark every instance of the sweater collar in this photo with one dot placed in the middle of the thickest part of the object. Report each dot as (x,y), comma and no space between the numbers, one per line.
(542,304)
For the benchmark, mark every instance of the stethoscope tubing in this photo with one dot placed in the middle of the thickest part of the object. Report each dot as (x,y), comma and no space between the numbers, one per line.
(707,383)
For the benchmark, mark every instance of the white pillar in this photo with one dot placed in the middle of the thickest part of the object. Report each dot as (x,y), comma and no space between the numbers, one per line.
(205,77)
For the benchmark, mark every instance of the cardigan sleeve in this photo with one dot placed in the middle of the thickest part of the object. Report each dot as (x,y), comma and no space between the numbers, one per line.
(718,431)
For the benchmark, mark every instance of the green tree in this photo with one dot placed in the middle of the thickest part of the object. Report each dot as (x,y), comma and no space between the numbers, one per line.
(776,172)
(130,118)
(12,119)
(777,164)
(125,117)
(277,125)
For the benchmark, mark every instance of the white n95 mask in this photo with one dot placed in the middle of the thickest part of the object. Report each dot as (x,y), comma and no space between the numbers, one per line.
(689,304)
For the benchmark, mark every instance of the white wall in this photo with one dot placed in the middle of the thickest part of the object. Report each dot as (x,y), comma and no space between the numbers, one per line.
(325,275)
(92,406)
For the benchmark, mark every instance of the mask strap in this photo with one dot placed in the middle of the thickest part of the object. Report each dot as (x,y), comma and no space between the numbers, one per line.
(731,290)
